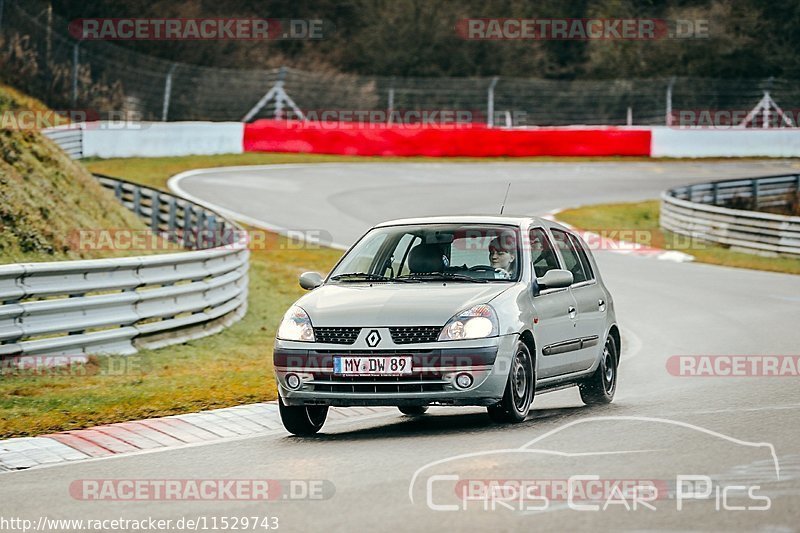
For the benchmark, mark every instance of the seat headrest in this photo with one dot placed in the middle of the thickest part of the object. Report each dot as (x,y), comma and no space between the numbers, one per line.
(426,258)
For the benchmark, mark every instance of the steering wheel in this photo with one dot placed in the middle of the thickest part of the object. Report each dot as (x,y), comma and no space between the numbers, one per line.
(482,268)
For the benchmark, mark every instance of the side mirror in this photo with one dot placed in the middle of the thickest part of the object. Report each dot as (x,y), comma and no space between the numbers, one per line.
(555,279)
(310,280)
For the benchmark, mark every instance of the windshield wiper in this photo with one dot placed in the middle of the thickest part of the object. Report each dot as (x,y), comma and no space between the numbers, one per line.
(442,275)
(364,276)
(360,275)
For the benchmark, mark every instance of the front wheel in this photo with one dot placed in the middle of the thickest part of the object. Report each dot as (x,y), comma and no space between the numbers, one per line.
(519,391)
(302,420)
(600,387)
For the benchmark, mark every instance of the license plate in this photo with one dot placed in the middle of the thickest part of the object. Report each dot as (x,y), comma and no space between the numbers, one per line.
(395,365)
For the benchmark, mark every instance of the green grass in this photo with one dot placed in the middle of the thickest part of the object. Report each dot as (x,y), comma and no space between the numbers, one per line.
(610,219)
(230,368)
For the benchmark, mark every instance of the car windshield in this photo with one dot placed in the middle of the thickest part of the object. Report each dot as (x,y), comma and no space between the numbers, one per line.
(417,253)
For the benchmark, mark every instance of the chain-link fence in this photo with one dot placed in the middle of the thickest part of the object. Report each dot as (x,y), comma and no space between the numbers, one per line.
(38,55)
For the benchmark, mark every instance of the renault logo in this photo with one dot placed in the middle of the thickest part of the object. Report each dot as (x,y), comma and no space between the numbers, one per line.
(373,338)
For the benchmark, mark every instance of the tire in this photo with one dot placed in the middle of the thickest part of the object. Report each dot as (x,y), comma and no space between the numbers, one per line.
(414,410)
(302,420)
(601,386)
(519,392)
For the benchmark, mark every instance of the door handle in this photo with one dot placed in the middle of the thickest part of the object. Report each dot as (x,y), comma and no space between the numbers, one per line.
(572,312)
(601,304)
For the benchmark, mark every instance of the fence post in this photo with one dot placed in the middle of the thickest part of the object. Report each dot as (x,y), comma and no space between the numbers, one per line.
(490,103)
(75,59)
(714,193)
(390,105)
(167,92)
(279,99)
(669,100)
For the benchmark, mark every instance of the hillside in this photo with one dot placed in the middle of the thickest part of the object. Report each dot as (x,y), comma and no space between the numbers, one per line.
(45,196)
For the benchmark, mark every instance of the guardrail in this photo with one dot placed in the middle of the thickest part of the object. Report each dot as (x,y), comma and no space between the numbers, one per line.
(69,138)
(119,305)
(725,212)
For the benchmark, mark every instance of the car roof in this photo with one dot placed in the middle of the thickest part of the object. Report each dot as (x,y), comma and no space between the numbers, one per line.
(508,220)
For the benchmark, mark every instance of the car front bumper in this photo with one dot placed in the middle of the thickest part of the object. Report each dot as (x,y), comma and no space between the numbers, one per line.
(435,366)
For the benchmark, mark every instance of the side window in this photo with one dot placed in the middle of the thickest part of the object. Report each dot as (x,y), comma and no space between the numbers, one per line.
(572,261)
(543,257)
(587,265)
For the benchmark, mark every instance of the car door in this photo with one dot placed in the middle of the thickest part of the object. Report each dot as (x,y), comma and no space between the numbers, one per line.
(589,298)
(555,312)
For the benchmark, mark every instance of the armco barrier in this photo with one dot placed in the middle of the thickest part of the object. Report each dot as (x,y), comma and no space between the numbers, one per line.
(436,141)
(697,211)
(117,305)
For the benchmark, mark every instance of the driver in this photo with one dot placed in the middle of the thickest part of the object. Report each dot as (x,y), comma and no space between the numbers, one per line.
(502,254)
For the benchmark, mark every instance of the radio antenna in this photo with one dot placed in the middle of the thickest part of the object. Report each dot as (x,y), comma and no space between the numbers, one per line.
(502,207)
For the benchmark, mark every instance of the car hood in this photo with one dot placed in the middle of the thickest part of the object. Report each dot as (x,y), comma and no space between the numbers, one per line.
(394,304)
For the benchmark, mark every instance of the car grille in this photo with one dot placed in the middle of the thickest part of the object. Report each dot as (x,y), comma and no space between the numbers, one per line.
(415,334)
(336,335)
(358,384)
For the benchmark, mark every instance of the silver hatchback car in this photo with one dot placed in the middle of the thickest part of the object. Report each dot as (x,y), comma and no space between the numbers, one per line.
(466,310)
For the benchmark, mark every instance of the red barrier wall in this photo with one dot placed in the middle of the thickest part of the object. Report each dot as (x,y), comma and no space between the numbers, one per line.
(480,141)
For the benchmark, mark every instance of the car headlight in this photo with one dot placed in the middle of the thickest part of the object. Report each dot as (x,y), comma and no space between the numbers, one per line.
(474,323)
(296,326)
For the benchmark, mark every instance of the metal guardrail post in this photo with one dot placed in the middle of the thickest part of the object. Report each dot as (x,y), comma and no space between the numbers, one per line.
(756,193)
(137,202)
(155,212)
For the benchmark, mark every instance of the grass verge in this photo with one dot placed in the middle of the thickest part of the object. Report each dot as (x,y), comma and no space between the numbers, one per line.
(642,218)
(230,368)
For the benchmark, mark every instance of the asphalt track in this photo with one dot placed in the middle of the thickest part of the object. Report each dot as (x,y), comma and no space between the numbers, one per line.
(737,432)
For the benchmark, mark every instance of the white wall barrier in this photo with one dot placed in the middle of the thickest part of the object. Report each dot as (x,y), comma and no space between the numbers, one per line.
(159,139)
(677,142)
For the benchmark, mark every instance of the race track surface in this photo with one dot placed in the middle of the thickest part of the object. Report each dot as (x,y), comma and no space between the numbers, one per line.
(729,432)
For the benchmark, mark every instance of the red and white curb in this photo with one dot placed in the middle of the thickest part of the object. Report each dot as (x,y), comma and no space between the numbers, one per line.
(598,242)
(156,433)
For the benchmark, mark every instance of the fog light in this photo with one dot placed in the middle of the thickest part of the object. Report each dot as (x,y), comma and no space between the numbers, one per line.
(463,380)
(293,381)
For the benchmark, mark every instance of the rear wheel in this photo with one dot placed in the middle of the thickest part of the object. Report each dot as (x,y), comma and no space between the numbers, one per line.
(601,386)
(519,391)
(302,420)
(414,410)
